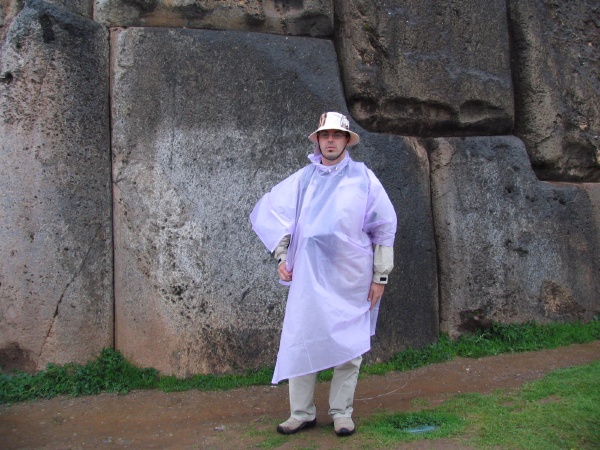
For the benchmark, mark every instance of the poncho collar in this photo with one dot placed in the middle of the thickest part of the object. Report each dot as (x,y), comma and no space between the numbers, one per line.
(315,159)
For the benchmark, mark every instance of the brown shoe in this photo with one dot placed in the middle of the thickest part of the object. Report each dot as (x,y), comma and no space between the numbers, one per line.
(343,426)
(293,425)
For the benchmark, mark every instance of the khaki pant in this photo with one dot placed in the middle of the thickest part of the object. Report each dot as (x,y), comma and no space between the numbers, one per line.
(341,392)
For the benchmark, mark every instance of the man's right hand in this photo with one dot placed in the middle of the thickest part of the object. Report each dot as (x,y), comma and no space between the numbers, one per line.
(284,275)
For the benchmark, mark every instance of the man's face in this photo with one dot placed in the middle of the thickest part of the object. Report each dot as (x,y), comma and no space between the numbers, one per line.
(332,144)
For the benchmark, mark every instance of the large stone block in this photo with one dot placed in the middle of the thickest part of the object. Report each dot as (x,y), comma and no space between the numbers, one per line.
(8,11)
(409,310)
(84,8)
(426,68)
(557,88)
(204,123)
(10,8)
(511,248)
(295,17)
(55,190)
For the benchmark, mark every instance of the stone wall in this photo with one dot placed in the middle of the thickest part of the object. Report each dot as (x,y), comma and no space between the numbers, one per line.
(293,17)
(427,68)
(188,168)
(56,299)
(511,248)
(555,66)
(461,109)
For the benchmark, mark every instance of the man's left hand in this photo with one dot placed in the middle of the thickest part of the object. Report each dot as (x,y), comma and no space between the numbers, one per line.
(375,294)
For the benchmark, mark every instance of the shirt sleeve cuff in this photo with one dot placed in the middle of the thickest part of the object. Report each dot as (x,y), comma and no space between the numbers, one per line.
(280,252)
(380,278)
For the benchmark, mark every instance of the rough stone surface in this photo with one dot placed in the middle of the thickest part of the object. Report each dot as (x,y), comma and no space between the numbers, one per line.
(426,68)
(83,8)
(556,59)
(8,11)
(204,123)
(409,309)
(295,17)
(10,8)
(55,208)
(511,248)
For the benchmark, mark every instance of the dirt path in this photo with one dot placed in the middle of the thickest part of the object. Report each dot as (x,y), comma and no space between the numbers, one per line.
(244,418)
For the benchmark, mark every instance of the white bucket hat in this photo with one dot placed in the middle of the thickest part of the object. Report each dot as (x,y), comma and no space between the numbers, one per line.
(335,121)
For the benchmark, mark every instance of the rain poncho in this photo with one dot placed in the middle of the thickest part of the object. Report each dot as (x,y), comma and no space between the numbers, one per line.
(334,215)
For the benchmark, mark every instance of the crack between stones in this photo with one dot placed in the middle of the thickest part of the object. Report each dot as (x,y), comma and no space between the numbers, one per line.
(62,296)
(38,94)
(438,263)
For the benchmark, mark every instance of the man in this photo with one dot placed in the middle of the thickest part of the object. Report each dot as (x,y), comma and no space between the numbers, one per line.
(331,227)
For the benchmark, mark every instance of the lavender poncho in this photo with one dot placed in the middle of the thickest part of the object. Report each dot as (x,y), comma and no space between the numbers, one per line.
(334,215)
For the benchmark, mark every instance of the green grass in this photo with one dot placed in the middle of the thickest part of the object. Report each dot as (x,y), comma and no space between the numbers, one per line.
(383,430)
(560,411)
(501,338)
(110,372)
(215,382)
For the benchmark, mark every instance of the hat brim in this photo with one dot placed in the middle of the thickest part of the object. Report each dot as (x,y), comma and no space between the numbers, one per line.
(354,138)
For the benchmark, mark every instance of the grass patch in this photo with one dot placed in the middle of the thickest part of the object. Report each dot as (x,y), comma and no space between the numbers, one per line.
(273,441)
(387,429)
(501,338)
(109,373)
(112,373)
(215,382)
(560,411)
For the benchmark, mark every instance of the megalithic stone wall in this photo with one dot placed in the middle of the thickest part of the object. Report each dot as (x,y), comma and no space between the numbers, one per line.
(293,17)
(204,123)
(556,58)
(56,299)
(511,248)
(426,67)
(409,315)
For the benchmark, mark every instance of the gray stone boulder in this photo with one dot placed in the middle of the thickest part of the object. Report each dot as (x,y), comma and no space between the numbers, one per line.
(295,17)
(510,248)
(8,11)
(557,89)
(10,8)
(84,8)
(55,202)
(426,68)
(409,309)
(204,123)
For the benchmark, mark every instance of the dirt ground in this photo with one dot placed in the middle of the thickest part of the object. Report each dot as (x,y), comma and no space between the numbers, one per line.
(245,418)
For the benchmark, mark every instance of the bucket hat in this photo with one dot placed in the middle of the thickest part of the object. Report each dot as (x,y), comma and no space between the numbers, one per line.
(334,121)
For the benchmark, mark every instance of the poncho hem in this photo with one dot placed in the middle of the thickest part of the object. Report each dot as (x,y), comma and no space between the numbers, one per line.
(328,366)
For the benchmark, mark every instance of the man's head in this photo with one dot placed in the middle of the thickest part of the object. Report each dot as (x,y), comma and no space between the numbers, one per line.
(333,136)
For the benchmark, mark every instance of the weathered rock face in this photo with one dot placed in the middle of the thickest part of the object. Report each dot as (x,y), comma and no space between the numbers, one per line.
(409,309)
(426,68)
(556,60)
(204,123)
(83,8)
(295,17)
(56,298)
(511,248)
(8,10)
